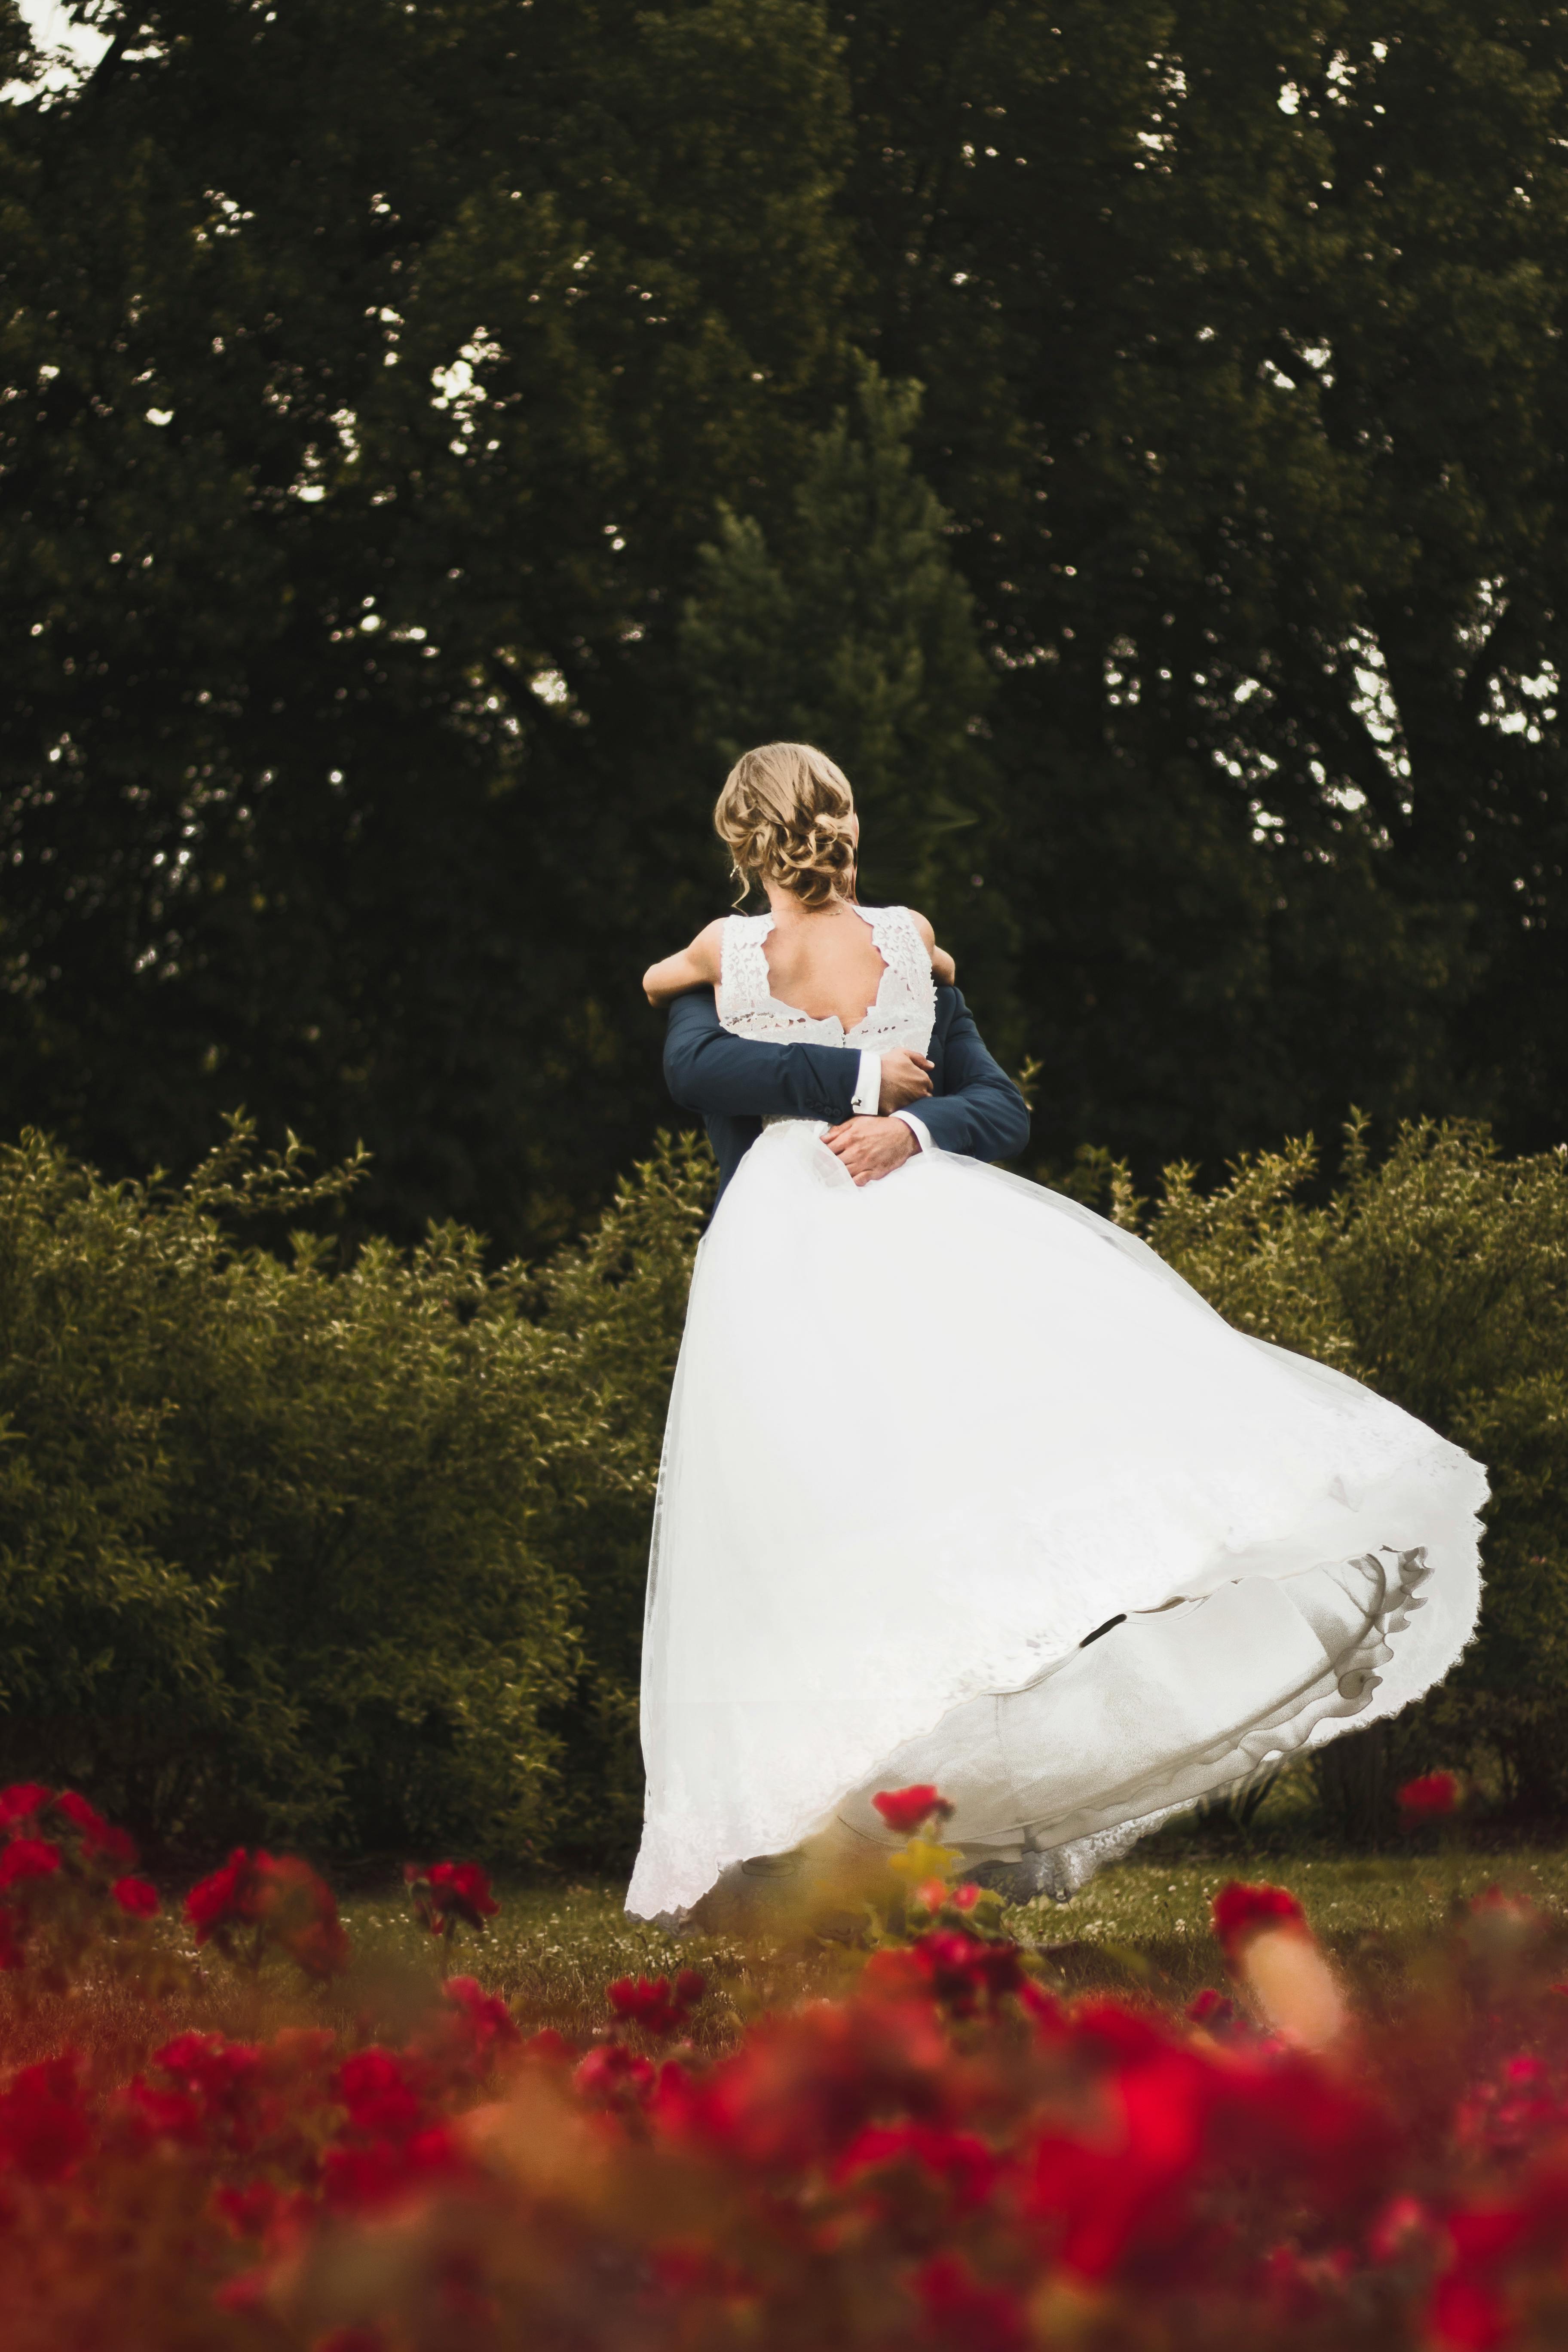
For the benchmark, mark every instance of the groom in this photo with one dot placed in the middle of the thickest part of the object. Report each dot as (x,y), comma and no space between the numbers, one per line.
(883,1107)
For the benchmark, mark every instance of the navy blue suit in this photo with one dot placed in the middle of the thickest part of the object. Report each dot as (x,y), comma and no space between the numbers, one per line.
(975,1106)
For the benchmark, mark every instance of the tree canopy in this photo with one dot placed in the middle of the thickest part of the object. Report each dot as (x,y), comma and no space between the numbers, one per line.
(430,437)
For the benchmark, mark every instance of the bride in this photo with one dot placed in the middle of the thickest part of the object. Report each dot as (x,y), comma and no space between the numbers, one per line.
(960,1483)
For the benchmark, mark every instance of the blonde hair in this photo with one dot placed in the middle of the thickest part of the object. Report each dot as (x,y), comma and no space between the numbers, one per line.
(786,814)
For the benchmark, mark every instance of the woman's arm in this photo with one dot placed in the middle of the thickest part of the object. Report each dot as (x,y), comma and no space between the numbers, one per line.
(696,966)
(943,970)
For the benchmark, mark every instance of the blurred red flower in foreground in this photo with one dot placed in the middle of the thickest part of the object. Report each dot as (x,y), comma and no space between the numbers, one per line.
(1240,1912)
(905,1810)
(1431,1799)
(45,2124)
(946,2153)
(656,2007)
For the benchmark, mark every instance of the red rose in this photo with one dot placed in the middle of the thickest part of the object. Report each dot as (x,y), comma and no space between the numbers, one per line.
(97,1834)
(218,1900)
(136,1896)
(1242,1911)
(27,1858)
(280,1895)
(904,1810)
(484,2017)
(657,2006)
(449,1891)
(21,1801)
(43,2129)
(1431,1799)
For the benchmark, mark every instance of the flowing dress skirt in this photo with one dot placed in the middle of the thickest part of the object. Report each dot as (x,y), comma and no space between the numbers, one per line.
(927,1434)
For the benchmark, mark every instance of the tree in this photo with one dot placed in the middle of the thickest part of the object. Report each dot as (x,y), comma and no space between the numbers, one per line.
(375,379)
(372,375)
(853,630)
(1242,334)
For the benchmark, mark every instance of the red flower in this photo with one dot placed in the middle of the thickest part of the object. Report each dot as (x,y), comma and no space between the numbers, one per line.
(904,1810)
(222,1900)
(27,1858)
(355,2179)
(959,2162)
(654,2006)
(547,2045)
(320,1946)
(209,2096)
(1431,1799)
(484,2017)
(1468,2315)
(448,1892)
(961,2312)
(21,1801)
(964,1970)
(136,1896)
(1242,1911)
(1217,2014)
(43,2129)
(611,2076)
(283,1899)
(96,1835)
(384,2092)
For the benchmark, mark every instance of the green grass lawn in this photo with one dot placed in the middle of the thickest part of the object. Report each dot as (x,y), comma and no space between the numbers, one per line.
(1141,1925)
(1139,1929)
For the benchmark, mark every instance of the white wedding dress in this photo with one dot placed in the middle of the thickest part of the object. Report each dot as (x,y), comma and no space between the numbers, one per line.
(927,1434)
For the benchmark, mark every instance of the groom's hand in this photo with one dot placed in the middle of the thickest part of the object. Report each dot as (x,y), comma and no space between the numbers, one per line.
(906,1078)
(870,1148)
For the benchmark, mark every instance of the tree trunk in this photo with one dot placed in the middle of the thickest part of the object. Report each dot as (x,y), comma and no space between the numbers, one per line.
(1354,1786)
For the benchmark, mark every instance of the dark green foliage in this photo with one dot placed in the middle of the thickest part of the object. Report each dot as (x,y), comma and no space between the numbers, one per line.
(375,377)
(1439,1275)
(853,628)
(295,1552)
(1241,332)
(355,1553)
(375,370)
(614,1307)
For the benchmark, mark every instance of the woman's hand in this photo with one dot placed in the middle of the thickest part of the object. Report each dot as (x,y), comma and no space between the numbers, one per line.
(906,1078)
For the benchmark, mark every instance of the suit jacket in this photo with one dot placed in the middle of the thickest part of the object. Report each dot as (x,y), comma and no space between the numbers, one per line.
(974,1108)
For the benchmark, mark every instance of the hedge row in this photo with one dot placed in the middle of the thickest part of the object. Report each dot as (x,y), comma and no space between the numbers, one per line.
(347,1548)
(349,1554)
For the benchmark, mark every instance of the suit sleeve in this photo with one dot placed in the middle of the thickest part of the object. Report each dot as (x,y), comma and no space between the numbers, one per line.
(708,1070)
(979,1112)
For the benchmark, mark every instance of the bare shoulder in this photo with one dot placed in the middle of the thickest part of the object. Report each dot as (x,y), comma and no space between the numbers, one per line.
(943,970)
(700,965)
(707,946)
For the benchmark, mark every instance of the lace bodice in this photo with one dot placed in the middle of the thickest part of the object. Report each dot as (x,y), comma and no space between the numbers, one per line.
(901,1015)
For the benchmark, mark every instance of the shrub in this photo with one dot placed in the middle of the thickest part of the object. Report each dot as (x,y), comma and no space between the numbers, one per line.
(1439,1275)
(294,1550)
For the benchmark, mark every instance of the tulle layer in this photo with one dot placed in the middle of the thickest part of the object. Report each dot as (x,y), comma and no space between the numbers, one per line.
(929,1434)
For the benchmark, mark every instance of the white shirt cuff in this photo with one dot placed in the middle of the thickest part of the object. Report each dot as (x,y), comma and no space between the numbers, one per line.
(867,1094)
(918,1129)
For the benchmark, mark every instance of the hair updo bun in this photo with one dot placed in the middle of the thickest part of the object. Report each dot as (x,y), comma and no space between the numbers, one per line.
(786,814)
